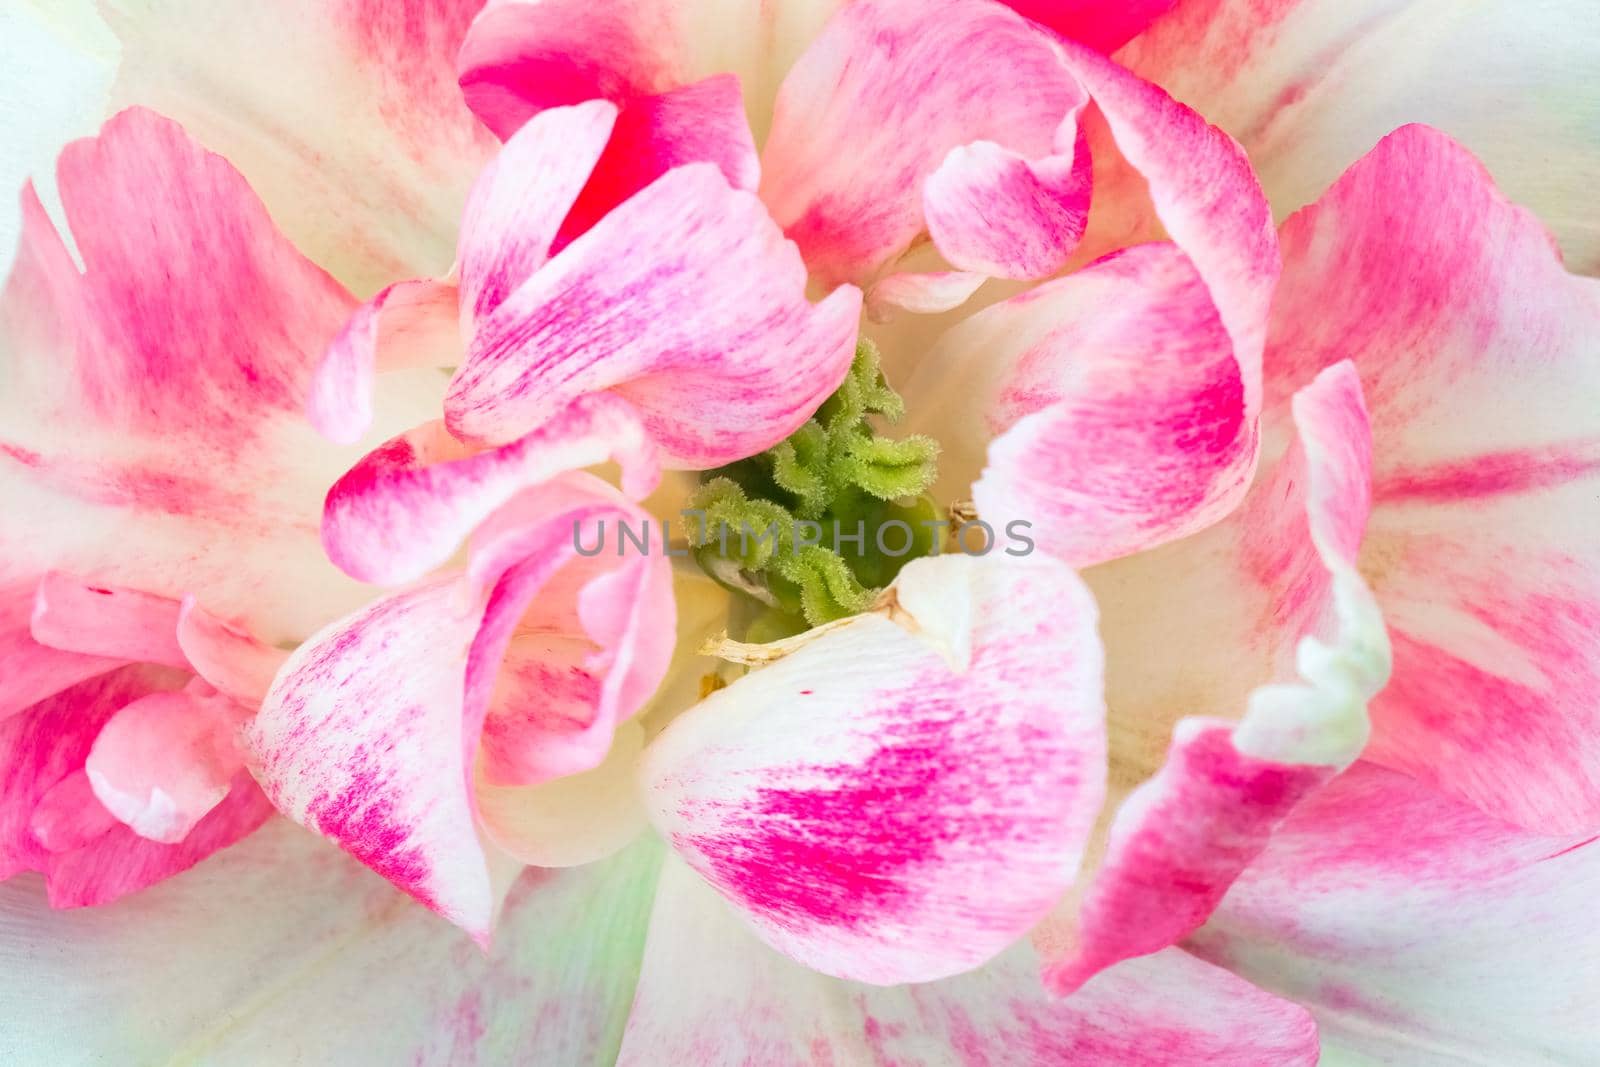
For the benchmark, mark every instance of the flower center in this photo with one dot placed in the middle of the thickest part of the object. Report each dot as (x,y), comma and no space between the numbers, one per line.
(818,525)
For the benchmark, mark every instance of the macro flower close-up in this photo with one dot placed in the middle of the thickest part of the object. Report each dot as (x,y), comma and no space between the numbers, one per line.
(754,532)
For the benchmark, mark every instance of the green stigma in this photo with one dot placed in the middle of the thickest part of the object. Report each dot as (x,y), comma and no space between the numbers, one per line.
(816,526)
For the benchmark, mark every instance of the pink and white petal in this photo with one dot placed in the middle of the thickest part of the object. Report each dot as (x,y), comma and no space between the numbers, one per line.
(1477,352)
(518,203)
(362,739)
(699,123)
(323,99)
(120,862)
(44,751)
(993,211)
(829,795)
(686,301)
(520,57)
(33,671)
(283,950)
(1196,308)
(162,762)
(1115,402)
(1418,929)
(873,108)
(710,993)
(408,324)
(69,815)
(105,621)
(225,656)
(924,293)
(371,731)
(406,507)
(572,646)
(1104,25)
(1180,838)
(567,822)
(1308,86)
(1206,195)
(154,430)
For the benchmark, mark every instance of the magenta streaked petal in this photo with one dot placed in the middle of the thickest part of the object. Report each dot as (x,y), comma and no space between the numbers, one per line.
(405,508)
(1476,350)
(834,796)
(685,300)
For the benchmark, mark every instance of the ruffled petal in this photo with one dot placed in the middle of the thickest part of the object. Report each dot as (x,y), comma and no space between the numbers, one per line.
(283,950)
(321,100)
(688,302)
(703,122)
(1118,403)
(1419,930)
(153,429)
(408,324)
(361,740)
(42,756)
(583,656)
(1105,456)
(230,659)
(898,801)
(710,993)
(520,57)
(33,671)
(519,201)
(164,761)
(372,729)
(1310,85)
(405,508)
(105,621)
(1178,840)
(1477,353)
(873,110)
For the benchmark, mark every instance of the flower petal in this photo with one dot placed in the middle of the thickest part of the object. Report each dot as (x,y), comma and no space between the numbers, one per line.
(225,656)
(153,429)
(43,750)
(105,621)
(405,508)
(1107,470)
(283,950)
(1105,25)
(1179,839)
(711,994)
(162,762)
(609,618)
(567,822)
(519,201)
(1477,353)
(688,302)
(408,324)
(520,57)
(702,122)
(926,293)
(993,211)
(1419,930)
(321,101)
(361,740)
(834,796)
(371,730)
(33,671)
(1118,403)
(1309,85)
(874,107)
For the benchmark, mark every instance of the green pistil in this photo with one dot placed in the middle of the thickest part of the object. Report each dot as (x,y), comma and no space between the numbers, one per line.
(831,479)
